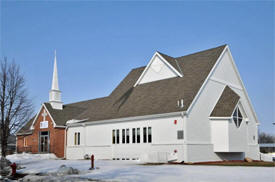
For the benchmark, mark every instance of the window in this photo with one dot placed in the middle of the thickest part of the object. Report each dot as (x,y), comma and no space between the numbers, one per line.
(77,138)
(133,135)
(138,135)
(237,117)
(123,135)
(149,135)
(180,134)
(144,135)
(25,142)
(127,136)
(117,136)
(114,136)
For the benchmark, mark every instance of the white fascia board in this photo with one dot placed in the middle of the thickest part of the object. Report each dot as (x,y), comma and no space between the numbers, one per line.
(23,134)
(206,80)
(59,126)
(43,106)
(219,118)
(36,117)
(245,92)
(150,62)
(72,121)
(223,82)
(172,67)
(118,120)
(54,124)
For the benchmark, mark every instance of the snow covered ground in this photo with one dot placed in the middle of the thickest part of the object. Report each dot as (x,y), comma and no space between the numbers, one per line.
(134,171)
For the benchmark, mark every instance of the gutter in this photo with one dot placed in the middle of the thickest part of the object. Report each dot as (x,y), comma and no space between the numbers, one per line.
(74,122)
(217,118)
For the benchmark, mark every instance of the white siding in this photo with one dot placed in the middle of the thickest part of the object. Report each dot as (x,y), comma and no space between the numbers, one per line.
(219,134)
(99,140)
(237,137)
(200,133)
(198,124)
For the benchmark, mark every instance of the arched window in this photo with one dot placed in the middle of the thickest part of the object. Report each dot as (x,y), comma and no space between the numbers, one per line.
(237,117)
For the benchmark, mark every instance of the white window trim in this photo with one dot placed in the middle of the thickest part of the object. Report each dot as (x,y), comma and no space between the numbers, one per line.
(238,125)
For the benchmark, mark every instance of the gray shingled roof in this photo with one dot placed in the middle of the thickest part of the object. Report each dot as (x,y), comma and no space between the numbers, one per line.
(148,98)
(26,128)
(62,116)
(159,96)
(226,103)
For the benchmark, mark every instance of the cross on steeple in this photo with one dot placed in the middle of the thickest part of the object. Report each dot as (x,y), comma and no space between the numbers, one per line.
(44,114)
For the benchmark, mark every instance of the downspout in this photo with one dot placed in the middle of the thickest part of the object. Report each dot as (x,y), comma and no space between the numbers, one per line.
(65,142)
(84,138)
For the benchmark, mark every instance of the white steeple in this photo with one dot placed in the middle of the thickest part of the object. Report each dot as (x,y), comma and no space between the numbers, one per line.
(55,93)
(55,75)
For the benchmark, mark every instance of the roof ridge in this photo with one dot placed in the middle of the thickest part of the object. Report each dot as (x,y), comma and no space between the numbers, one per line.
(165,54)
(202,51)
(85,101)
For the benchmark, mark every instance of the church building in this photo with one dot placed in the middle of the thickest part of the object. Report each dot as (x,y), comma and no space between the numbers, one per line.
(191,108)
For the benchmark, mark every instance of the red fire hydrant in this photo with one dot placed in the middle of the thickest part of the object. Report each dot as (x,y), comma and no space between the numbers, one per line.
(92,162)
(13,169)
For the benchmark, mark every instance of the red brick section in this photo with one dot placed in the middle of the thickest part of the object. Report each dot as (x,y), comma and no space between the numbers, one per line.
(32,141)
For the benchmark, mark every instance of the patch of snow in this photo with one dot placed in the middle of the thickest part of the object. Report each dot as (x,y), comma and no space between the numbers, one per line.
(28,156)
(35,178)
(64,170)
(126,171)
(267,157)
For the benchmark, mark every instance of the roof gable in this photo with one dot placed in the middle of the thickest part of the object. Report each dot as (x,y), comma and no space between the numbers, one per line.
(39,113)
(226,103)
(160,67)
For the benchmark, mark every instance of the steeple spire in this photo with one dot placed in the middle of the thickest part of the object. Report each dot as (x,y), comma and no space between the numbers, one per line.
(55,93)
(55,74)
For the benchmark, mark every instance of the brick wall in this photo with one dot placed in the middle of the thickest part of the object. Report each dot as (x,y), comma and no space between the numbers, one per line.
(32,141)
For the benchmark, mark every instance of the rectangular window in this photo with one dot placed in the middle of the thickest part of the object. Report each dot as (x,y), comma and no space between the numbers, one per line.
(138,135)
(144,135)
(25,142)
(133,135)
(117,136)
(76,138)
(114,136)
(149,135)
(123,135)
(127,136)
(180,134)
(78,141)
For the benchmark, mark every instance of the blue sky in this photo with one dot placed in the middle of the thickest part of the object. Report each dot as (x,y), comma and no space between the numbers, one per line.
(98,43)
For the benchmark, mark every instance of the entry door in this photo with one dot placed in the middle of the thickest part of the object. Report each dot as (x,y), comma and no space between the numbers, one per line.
(44,143)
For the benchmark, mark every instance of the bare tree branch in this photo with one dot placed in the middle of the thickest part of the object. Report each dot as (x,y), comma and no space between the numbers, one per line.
(15,107)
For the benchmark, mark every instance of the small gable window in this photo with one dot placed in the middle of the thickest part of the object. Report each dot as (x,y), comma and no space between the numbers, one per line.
(237,117)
